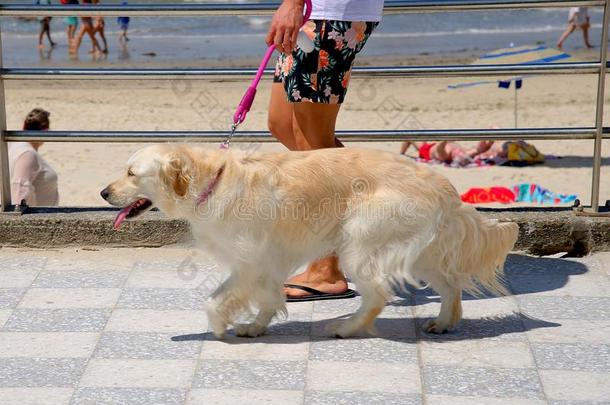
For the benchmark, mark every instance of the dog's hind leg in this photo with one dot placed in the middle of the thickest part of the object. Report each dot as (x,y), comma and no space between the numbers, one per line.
(451,306)
(226,303)
(374,297)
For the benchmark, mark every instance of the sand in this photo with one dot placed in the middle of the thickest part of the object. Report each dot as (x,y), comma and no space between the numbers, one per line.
(85,168)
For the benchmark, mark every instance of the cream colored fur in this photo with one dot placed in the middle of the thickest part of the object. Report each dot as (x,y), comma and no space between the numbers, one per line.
(388,219)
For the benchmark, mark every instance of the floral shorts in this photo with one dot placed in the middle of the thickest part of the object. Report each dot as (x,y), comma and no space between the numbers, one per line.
(322,75)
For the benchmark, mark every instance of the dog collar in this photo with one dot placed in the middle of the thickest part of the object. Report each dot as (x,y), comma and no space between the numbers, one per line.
(205,194)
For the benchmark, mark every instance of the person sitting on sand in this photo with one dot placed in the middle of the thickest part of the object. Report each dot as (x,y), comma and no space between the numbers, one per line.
(45,26)
(86,28)
(32,178)
(577,18)
(99,27)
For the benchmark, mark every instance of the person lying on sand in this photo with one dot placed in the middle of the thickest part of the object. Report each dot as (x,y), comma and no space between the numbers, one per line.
(451,152)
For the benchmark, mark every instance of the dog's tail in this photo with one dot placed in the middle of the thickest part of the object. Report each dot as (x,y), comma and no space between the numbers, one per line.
(474,250)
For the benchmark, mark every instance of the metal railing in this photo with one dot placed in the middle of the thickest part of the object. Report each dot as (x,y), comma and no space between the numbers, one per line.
(596,133)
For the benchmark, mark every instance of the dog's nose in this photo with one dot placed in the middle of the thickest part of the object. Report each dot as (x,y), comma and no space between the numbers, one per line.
(105,193)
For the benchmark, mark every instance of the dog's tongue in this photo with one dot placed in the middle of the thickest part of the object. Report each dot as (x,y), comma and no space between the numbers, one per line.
(121,217)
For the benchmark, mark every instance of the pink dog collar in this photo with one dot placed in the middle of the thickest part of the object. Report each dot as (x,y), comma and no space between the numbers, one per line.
(205,194)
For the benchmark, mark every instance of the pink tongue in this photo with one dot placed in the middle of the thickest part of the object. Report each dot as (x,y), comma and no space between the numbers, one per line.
(121,217)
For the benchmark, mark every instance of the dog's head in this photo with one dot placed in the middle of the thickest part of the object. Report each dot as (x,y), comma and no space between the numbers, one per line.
(157,176)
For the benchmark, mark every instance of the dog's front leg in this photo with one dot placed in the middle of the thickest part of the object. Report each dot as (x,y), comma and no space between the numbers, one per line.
(224,306)
(267,295)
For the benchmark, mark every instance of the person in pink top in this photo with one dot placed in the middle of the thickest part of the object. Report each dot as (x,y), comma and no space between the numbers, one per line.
(310,83)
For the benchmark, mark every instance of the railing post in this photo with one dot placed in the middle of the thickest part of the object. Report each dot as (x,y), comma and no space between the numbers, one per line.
(5,177)
(599,111)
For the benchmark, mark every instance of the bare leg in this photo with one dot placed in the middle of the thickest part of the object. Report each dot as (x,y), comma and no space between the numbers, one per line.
(306,126)
(585,35)
(565,35)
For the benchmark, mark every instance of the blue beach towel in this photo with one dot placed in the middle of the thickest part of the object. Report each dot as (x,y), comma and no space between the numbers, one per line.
(534,193)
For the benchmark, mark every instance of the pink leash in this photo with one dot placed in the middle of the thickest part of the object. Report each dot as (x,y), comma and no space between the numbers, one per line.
(246,102)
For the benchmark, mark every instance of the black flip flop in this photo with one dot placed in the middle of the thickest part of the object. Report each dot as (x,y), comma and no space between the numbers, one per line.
(317,295)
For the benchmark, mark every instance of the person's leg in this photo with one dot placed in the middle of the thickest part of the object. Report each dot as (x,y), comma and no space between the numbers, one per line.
(48,31)
(585,35)
(565,35)
(41,35)
(324,274)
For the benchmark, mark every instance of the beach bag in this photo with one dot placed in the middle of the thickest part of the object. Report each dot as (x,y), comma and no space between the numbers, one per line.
(521,153)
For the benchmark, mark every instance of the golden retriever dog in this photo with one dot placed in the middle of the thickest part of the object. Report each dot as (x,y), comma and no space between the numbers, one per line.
(262,216)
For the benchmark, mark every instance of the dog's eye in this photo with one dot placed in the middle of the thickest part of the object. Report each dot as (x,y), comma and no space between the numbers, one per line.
(130,173)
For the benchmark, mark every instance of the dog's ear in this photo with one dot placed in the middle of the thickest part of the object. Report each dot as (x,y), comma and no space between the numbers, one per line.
(176,173)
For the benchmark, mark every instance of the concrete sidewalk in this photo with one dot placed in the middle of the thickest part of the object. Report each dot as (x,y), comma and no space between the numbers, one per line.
(125,326)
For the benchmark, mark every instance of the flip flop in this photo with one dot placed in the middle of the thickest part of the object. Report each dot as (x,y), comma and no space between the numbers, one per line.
(317,295)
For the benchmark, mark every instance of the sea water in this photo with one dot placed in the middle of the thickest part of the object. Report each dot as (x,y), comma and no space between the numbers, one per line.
(167,40)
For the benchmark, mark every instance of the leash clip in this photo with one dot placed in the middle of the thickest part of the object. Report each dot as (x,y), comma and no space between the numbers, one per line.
(227,142)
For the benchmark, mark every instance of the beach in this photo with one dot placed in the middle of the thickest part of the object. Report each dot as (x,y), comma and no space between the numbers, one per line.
(85,168)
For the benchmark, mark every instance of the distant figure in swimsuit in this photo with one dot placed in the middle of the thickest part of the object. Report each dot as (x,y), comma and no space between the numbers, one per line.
(86,28)
(45,26)
(99,27)
(453,153)
(578,18)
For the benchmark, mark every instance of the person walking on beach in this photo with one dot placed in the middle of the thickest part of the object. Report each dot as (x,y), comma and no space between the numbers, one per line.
(99,28)
(45,26)
(33,180)
(86,28)
(578,18)
(124,25)
(71,24)
(310,83)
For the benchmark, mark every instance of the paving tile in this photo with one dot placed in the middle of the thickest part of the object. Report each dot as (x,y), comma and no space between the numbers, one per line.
(477,353)
(70,298)
(508,327)
(17,277)
(298,323)
(300,307)
(146,320)
(391,327)
(80,279)
(572,356)
(349,306)
(23,261)
(250,374)
(145,345)
(240,397)
(582,308)
(360,398)
(483,382)
(575,385)
(30,372)
(552,402)
(46,344)
(554,285)
(130,373)
(363,350)
(95,263)
(430,305)
(266,347)
(10,297)
(35,396)
(452,400)
(172,274)
(128,396)
(570,331)
(532,265)
(4,315)
(57,320)
(162,299)
(375,377)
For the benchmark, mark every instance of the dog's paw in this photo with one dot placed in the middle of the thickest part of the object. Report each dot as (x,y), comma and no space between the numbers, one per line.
(433,326)
(218,326)
(342,329)
(249,329)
